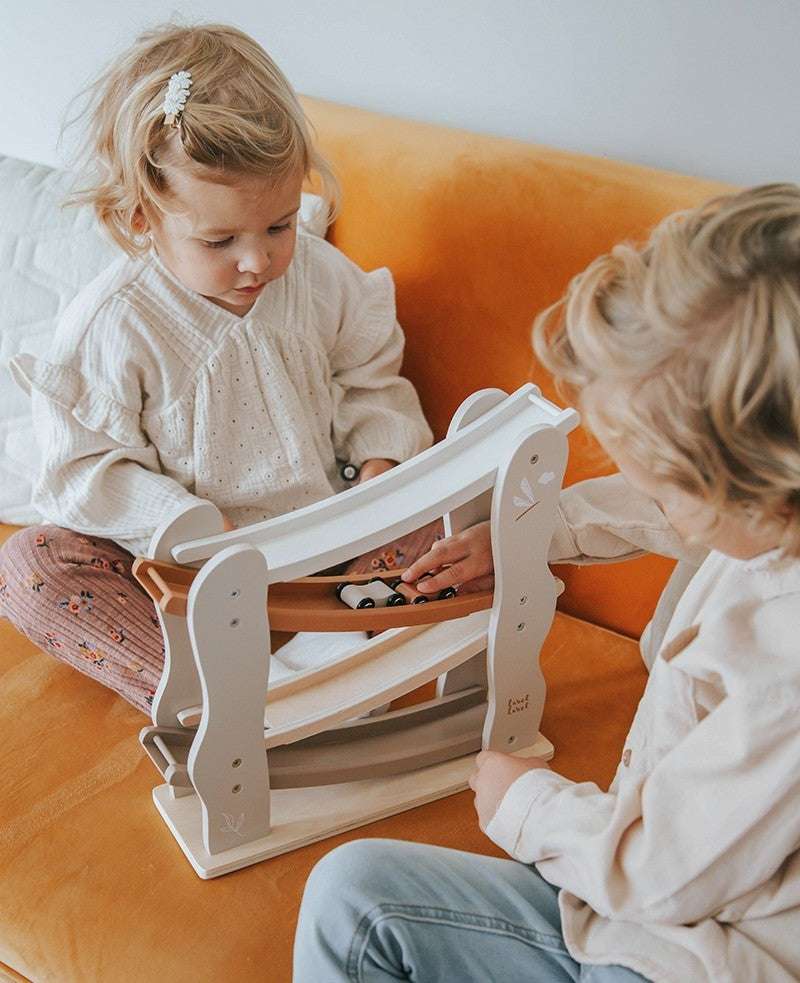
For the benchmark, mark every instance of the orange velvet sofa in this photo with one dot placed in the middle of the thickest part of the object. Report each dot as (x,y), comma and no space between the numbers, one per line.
(480,234)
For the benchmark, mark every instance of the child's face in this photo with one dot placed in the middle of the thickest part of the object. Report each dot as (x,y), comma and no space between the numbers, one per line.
(693,519)
(227,241)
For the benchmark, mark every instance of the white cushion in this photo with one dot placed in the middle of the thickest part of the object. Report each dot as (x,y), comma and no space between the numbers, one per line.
(47,253)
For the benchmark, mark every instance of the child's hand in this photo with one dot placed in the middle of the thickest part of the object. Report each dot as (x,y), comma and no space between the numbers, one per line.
(373,467)
(493,776)
(469,555)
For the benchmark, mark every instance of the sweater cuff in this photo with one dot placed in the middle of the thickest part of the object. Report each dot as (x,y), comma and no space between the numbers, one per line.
(378,442)
(517,805)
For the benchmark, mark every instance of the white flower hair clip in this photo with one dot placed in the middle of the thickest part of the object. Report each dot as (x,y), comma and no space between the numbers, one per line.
(177,94)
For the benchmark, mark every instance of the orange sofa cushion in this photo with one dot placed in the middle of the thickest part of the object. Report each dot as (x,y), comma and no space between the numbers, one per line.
(93,885)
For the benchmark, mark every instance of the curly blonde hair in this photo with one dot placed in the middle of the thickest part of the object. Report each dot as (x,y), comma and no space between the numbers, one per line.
(242,117)
(698,335)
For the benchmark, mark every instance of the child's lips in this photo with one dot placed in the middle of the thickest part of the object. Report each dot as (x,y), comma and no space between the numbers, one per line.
(251,290)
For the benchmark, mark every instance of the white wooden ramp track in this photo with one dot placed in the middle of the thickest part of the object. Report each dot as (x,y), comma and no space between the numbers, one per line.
(386,667)
(447,475)
(270,768)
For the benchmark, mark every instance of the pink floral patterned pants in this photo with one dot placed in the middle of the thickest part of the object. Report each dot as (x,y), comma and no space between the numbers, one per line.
(75,597)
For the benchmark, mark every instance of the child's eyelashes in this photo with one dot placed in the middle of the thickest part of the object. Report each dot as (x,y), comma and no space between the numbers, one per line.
(221,243)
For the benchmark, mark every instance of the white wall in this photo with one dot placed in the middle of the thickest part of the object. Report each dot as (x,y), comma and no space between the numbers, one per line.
(704,86)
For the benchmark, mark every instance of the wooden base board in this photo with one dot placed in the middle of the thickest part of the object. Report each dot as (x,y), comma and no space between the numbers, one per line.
(305,815)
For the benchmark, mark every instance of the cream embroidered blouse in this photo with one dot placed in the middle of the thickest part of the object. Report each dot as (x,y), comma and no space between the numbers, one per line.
(153,396)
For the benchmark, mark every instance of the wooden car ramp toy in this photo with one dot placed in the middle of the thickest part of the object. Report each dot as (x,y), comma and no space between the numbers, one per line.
(252,770)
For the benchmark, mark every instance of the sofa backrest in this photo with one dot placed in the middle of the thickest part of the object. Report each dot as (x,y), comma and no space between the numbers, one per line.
(480,234)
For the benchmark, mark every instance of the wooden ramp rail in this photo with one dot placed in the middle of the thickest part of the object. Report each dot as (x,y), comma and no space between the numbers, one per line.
(385,668)
(395,742)
(310,603)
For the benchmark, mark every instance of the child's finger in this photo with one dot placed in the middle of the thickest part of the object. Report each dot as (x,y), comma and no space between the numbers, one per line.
(452,576)
(445,551)
(418,568)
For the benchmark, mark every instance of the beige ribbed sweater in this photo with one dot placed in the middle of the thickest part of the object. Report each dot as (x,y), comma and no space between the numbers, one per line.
(153,396)
(687,870)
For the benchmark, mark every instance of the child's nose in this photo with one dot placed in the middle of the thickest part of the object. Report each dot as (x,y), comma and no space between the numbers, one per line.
(255,259)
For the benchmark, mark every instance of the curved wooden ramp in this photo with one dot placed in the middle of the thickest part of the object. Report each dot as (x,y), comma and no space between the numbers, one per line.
(376,673)
(390,744)
(448,475)
(310,603)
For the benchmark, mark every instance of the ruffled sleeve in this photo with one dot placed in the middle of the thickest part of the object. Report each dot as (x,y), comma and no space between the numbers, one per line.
(100,474)
(69,390)
(376,412)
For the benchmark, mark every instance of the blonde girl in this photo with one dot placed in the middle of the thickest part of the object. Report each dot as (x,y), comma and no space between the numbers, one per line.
(226,356)
(685,359)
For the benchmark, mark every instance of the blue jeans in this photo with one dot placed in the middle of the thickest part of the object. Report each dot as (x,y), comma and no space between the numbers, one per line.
(376,910)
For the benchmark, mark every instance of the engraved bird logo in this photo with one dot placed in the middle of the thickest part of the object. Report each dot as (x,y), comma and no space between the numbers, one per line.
(233,824)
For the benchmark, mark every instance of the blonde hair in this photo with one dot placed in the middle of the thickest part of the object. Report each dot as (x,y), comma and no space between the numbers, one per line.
(698,335)
(242,117)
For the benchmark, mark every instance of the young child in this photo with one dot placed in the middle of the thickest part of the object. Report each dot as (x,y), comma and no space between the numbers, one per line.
(227,356)
(685,359)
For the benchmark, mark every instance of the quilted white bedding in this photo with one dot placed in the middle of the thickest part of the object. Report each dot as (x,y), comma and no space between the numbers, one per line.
(47,253)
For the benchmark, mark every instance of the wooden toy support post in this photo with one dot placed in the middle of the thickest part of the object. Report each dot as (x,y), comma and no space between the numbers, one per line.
(271,767)
(523,519)
(228,627)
